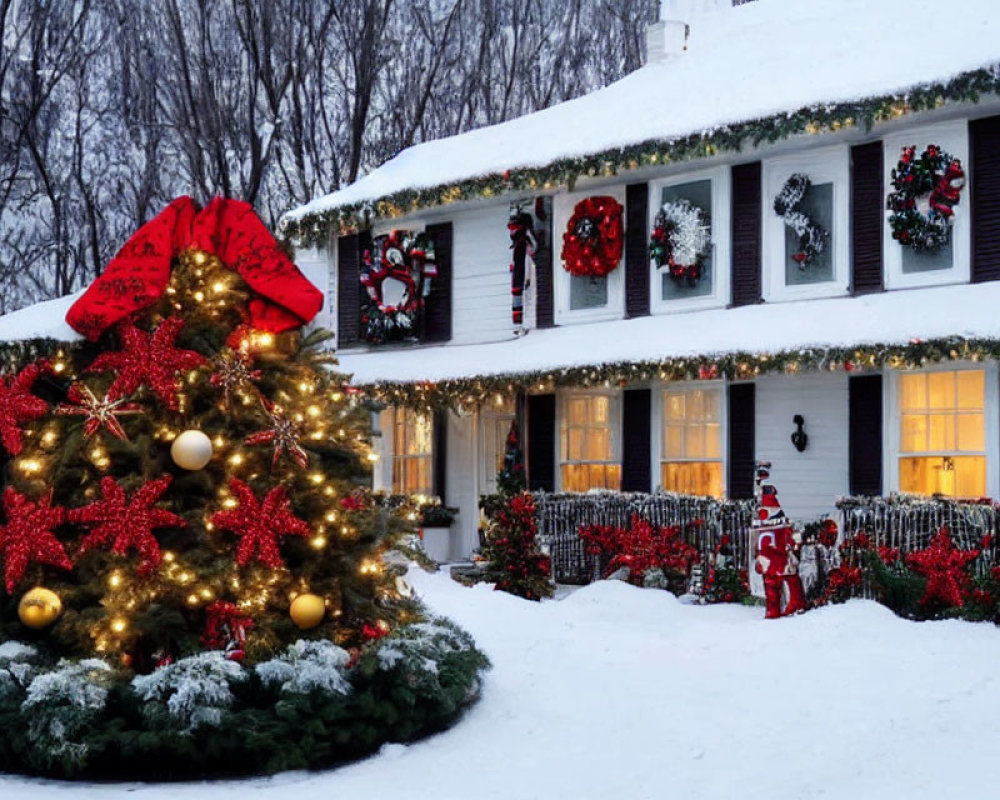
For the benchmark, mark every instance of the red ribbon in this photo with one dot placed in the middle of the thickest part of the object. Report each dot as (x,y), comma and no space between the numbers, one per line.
(229,229)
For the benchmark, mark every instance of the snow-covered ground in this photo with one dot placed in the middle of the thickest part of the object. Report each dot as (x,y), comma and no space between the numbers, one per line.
(617,692)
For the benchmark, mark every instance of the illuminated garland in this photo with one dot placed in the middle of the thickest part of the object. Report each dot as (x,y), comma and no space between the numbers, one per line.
(468,393)
(316,229)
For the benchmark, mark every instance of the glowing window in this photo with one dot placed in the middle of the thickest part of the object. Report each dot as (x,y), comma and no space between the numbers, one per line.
(691,460)
(412,452)
(588,444)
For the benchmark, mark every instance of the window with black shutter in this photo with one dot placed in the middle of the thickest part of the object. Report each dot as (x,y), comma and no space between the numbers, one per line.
(867,217)
(541,442)
(984,177)
(865,435)
(636,250)
(742,440)
(440,453)
(437,308)
(746,225)
(348,290)
(636,455)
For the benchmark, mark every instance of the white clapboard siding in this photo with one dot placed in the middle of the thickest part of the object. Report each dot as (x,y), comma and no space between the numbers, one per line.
(808,483)
(481,283)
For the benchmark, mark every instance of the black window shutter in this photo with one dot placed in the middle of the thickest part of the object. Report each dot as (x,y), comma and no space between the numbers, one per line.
(437,311)
(542,442)
(544,305)
(865,437)
(348,290)
(746,223)
(867,218)
(742,440)
(440,452)
(636,250)
(636,409)
(984,162)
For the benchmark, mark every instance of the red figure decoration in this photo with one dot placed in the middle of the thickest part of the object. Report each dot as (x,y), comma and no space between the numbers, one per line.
(776,545)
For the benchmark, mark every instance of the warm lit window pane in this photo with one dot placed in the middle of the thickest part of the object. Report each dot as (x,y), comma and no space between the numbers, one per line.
(940,432)
(971,433)
(574,449)
(913,391)
(941,389)
(587,453)
(711,406)
(576,411)
(674,444)
(599,410)
(614,476)
(959,476)
(914,433)
(692,477)
(971,389)
(695,445)
(599,444)
(713,437)
(675,407)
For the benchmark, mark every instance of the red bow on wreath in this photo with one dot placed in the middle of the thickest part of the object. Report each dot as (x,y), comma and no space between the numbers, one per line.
(592,243)
(229,229)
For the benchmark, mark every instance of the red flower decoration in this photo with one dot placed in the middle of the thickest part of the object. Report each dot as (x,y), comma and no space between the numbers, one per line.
(27,537)
(944,566)
(18,405)
(592,243)
(148,359)
(127,523)
(260,524)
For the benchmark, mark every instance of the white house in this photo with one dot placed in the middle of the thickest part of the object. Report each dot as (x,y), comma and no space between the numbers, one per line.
(637,380)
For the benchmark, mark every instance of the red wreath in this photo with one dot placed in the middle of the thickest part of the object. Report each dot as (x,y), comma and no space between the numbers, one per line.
(592,243)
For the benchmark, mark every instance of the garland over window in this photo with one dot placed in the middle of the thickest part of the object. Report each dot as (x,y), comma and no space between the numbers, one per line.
(405,257)
(682,240)
(592,243)
(813,237)
(925,193)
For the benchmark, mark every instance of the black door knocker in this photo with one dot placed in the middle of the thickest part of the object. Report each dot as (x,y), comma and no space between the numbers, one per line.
(799,437)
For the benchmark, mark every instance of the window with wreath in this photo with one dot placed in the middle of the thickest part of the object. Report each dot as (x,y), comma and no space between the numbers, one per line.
(942,443)
(691,452)
(686,213)
(588,450)
(412,452)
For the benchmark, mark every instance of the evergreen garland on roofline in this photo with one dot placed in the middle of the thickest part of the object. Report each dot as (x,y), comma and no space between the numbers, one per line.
(316,229)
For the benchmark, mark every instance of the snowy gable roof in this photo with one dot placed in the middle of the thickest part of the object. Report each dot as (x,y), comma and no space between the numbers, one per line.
(751,62)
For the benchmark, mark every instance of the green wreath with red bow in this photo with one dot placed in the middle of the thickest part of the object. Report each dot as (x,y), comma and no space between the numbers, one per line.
(926,190)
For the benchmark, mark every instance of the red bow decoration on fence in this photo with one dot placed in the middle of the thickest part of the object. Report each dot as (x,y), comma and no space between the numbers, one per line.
(229,229)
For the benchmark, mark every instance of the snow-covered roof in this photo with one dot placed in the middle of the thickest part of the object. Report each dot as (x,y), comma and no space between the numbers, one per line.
(744,63)
(45,320)
(884,318)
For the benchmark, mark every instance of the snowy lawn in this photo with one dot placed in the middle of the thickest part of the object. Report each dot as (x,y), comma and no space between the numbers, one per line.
(617,692)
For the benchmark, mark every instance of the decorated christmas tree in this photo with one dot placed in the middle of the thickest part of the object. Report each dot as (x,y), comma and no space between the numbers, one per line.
(185,505)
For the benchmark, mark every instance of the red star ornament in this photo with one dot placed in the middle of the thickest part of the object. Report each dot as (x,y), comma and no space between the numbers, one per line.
(27,537)
(260,524)
(99,413)
(283,435)
(126,523)
(18,405)
(944,566)
(148,359)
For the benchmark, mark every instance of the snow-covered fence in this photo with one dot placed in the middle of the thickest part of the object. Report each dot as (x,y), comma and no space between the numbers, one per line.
(908,523)
(703,522)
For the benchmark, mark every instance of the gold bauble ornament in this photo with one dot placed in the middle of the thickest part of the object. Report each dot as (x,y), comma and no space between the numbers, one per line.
(307,611)
(191,450)
(39,608)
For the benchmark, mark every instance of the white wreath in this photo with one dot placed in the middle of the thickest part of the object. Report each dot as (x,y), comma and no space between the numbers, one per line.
(687,231)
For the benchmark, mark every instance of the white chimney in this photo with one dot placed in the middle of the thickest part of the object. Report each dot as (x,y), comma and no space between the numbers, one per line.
(666,38)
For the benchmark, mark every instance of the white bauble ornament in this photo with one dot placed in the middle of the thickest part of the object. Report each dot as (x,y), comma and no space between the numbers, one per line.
(191,450)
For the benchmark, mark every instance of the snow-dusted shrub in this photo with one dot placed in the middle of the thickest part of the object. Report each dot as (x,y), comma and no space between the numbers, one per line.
(306,666)
(189,693)
(18,665)
(419,651)
(61,705)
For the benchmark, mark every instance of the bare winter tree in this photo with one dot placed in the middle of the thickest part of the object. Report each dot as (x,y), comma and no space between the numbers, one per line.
(108,110)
